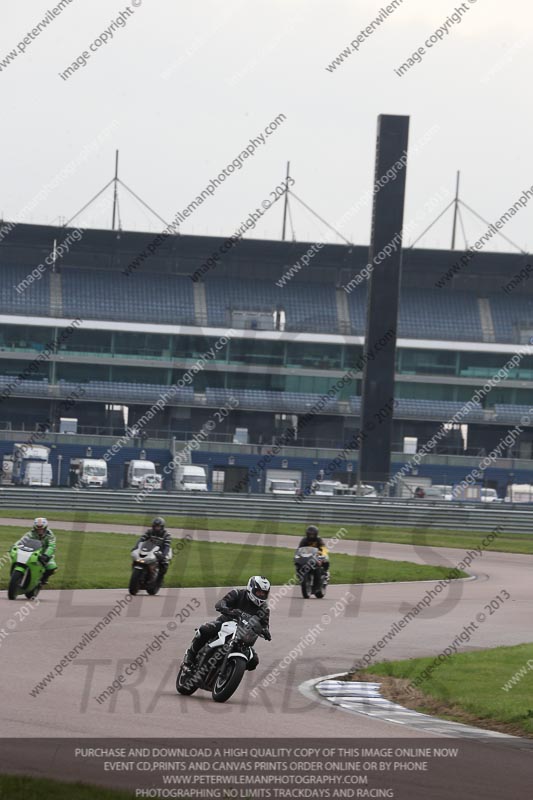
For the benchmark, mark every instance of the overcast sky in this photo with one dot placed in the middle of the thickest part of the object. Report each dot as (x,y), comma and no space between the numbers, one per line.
(182,88)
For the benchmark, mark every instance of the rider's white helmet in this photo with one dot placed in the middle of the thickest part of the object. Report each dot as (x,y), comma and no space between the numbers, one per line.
(40,526)
(258,589)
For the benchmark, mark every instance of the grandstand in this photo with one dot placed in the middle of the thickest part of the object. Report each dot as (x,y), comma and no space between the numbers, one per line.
(283,347)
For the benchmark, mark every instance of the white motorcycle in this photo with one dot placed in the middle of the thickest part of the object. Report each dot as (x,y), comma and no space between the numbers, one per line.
(146,571)
(222,662)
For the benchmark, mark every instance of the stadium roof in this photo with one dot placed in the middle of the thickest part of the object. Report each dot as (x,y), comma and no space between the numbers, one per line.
(254,258)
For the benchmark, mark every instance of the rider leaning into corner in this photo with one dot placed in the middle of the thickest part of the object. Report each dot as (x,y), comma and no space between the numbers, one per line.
(43,534)
(252,600)
(312,539)
(160,536)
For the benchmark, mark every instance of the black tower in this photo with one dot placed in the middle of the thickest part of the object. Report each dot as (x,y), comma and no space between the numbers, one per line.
(383,299)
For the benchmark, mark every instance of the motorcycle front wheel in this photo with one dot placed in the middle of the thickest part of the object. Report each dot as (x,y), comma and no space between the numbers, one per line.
(183,682)
(307,585)
(155,584)
(14,587)
(135,581)
(227,682)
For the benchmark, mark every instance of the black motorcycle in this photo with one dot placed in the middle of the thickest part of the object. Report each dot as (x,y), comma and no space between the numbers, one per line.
(222,662)
(313,578)
(146,572)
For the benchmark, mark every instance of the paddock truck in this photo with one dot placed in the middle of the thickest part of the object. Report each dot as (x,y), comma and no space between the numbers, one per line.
(222,662)
(26,570)
(311,575)
(145,573)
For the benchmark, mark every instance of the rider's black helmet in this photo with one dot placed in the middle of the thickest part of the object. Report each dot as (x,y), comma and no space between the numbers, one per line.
(312,533)
(158,525)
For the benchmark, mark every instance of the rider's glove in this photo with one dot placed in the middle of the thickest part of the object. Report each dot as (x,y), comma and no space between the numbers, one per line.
(43,559)
(267,636)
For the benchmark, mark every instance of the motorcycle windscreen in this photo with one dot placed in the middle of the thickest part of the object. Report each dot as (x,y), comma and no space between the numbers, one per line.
(27,550)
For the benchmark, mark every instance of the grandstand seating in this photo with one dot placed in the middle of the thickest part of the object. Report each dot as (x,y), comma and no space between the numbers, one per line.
(96,390)
(436,409)
(256,399)
(34,299)
(28,388)
(510,413)
(439,314)
(306,306)
(95,294)
(131,392)
(295,402)
(357,308)
(355,405)
(426,314)
(509,312)
(98,294)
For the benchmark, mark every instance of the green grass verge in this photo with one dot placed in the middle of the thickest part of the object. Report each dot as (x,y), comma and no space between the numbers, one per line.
(505,543)
(104,563)
(15,787)
(469,687)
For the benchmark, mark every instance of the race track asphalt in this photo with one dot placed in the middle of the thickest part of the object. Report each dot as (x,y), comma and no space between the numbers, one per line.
(147,703)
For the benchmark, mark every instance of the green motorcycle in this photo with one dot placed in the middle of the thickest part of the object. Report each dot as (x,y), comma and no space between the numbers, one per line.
(26,570)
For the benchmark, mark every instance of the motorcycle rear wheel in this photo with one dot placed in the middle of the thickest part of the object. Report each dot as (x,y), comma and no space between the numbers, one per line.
(226,684)
(321,587)
(34,592)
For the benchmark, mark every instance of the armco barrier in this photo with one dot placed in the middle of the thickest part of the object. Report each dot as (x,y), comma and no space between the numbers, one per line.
(410,514)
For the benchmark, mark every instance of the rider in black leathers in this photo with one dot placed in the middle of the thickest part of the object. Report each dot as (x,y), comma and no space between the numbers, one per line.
(252,600)
(312,539)
(160,536)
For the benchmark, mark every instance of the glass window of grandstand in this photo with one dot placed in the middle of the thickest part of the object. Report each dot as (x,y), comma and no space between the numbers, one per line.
(313,384)
(203,379)
(430,391)
(485,365)
(256,351)
(125,374)
(101,372)
(314,355)
(142,345)
(505,395)
(469,364)
(250,380)
(87,341)
(190,348)
(522,397)
(427,362)
(79,340)
(82,373)
(351,356)
(12,368)
(462,394)
(25,337)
